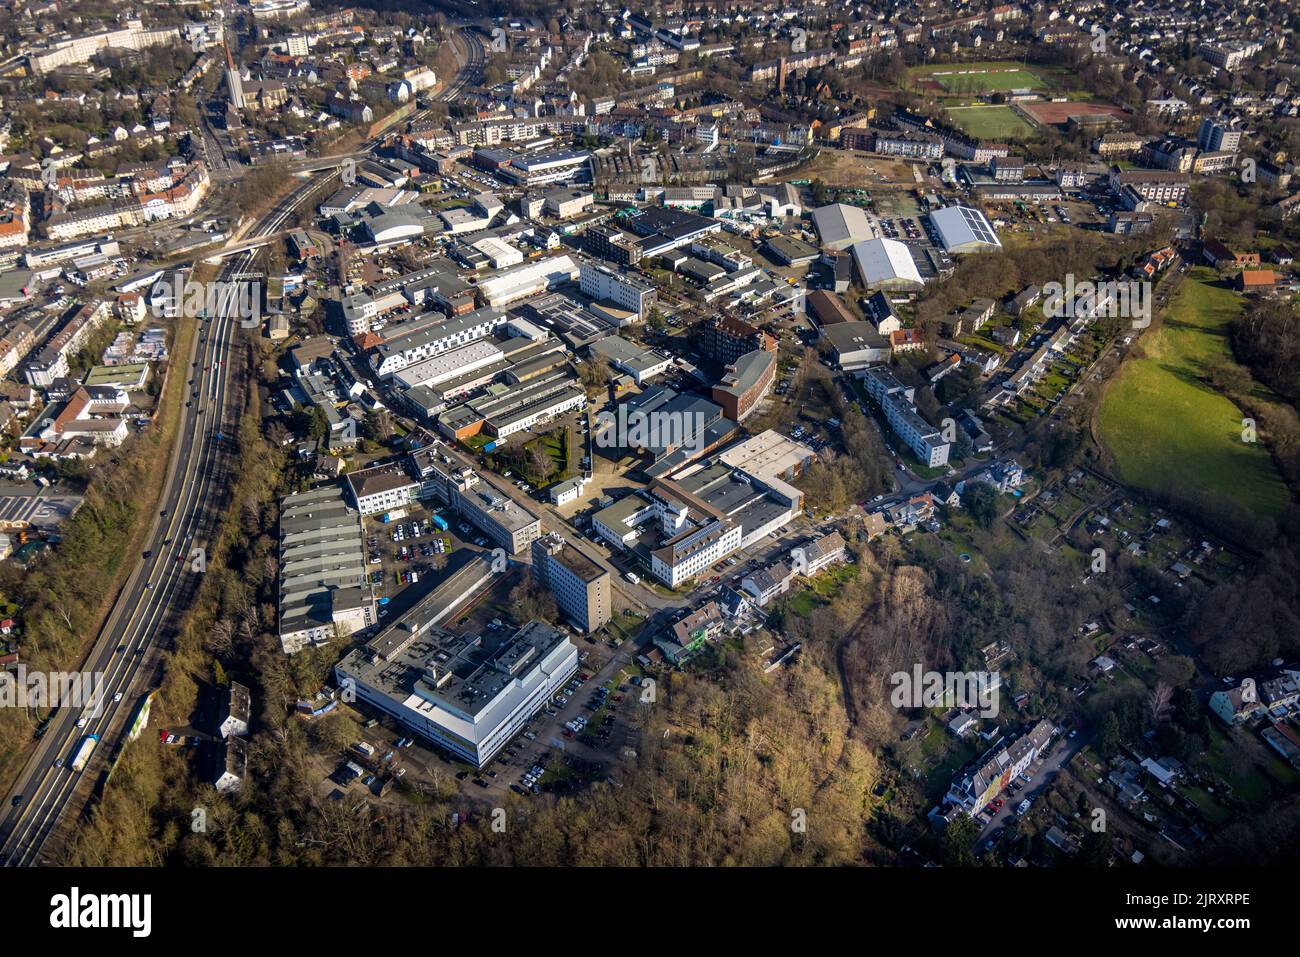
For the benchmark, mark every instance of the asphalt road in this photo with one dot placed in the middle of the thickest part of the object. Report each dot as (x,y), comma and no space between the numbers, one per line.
(1043,772)
(162,583)
(159,586)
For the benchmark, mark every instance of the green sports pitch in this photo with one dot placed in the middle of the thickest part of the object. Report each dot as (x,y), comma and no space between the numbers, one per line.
(990,122)
(971,79)
(991,81)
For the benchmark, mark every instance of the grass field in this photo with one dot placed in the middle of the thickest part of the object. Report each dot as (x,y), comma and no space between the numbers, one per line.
(979,82)
(973,78)
(990,122)
(1164,425)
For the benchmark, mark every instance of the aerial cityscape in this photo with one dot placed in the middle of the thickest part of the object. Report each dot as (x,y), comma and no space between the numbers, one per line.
(466,433)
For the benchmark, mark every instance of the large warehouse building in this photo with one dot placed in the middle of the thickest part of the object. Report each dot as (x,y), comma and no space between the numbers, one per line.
(323,589)
(964,230)
(886,264)
(839,226)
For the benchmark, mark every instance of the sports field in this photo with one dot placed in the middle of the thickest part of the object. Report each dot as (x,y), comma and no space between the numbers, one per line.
(970,79)
(990,122)
(1165,426)
(1048,113)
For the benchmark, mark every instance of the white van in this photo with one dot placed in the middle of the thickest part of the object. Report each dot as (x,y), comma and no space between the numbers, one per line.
(633,577)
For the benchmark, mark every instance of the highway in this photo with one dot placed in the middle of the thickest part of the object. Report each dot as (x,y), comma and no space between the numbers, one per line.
(160,587)
(161,584)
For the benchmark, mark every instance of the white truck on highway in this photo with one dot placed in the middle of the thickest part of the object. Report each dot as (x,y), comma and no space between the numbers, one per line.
(84,751)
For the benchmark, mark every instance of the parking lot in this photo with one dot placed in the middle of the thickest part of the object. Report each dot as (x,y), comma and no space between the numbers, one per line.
(410,550)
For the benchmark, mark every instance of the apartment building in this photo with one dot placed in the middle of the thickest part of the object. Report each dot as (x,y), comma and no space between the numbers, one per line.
(993,774)
(896,400)
(811,557)
(907,144)
(66,51)
(1155,186)
(1217,134)
(726,338)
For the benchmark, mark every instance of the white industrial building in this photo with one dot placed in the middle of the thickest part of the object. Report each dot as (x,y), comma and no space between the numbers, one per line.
(406,349)
(500,254)
(886,264)
(449,365)
(528,280)
(962,229)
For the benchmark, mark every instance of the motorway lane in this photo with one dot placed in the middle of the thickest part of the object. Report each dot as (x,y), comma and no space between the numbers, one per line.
(147,595)
(152,589)
(157,582)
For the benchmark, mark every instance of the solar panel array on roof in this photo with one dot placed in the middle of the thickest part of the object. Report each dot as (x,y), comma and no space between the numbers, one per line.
(961,227)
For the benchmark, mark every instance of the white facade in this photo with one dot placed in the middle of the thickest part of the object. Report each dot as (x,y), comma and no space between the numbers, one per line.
(629,292)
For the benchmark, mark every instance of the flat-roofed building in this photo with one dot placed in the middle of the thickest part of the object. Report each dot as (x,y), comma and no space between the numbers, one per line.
(856,345)
(642,364)
(925,441)
(323,586)
(580,586)
(503,520)
(567,203)
(605,284)
(449,365)
(382,488)
(418,339)
(466,694)
(527,280)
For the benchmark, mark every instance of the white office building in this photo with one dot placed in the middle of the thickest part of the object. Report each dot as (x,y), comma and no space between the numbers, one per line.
(466,694)
(604,283)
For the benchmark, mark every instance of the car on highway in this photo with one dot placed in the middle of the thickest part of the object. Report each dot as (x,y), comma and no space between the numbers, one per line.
(18,799)
(81,722)
(117,697)
(58,762)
